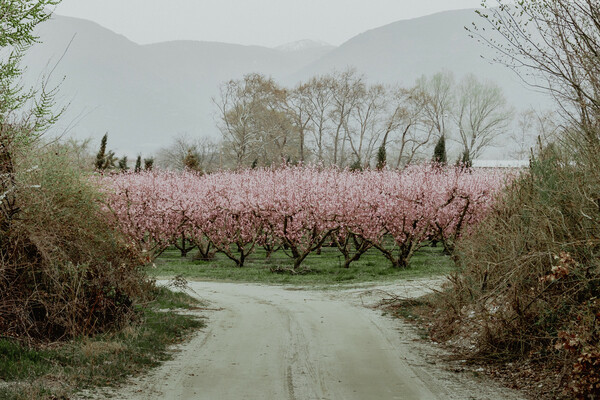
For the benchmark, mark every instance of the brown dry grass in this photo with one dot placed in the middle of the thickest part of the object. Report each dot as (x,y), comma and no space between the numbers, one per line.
(529,279)
(63,271)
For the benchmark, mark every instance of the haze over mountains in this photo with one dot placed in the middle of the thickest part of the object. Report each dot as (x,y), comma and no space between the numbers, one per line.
(143,95)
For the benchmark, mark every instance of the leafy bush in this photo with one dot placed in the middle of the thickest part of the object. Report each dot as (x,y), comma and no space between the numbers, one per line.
(529,278)
(63,270)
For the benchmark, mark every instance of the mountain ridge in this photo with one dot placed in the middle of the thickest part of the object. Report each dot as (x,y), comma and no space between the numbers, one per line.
(145,94)
(304,44)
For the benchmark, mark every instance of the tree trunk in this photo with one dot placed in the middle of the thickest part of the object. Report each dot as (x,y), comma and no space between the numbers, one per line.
(184,250)
(8,196)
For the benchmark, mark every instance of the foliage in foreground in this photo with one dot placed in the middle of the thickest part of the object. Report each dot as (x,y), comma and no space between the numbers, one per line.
(106,359)
(529,281)
(64,271)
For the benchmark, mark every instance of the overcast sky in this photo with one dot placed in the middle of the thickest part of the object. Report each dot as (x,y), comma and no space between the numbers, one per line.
(251,22)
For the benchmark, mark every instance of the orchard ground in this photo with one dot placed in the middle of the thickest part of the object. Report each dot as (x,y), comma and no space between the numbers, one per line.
(322,270)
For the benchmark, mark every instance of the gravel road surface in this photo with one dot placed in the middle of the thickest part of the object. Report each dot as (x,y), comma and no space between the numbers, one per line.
(280,343)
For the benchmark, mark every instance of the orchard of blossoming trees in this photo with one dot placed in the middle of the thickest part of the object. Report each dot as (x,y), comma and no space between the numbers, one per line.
(300,209)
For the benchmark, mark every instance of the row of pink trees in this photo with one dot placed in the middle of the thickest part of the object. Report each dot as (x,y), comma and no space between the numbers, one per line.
(301,209)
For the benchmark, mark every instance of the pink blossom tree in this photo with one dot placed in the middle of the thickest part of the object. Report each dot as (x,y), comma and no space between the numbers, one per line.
(299,209)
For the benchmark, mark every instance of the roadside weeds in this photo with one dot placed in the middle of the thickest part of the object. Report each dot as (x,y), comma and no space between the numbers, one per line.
(57,371)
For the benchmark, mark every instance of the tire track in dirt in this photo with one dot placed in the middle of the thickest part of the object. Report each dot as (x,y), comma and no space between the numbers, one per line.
(271,343)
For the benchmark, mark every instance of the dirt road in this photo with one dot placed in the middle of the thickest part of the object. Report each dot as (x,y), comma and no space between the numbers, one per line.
(272,343)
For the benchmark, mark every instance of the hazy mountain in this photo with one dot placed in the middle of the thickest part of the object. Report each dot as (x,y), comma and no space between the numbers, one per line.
(306,44)
(403,51)
(144,95)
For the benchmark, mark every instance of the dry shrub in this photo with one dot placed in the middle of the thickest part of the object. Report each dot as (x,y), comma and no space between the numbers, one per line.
(63,271)
(529,275)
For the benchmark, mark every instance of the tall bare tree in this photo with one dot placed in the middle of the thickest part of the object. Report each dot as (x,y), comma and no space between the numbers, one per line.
(441,100)
(406,125)
(318,102)
(553,45)
(366,123)
(255,122)
(348,88)
(530,127)
(339,119)
(278,133)
(417,135)
(482,115)
(299,106)
(238,105)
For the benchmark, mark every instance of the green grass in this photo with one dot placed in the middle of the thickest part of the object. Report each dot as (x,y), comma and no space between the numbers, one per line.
(104,360)
(325,268)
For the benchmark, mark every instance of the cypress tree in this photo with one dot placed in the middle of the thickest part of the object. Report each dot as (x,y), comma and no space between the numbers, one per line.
(190,162)
(138,164)
(381,157)
(101,156)
(149,163)
(123,164)
(439,153)
(109,160)
(356,166)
